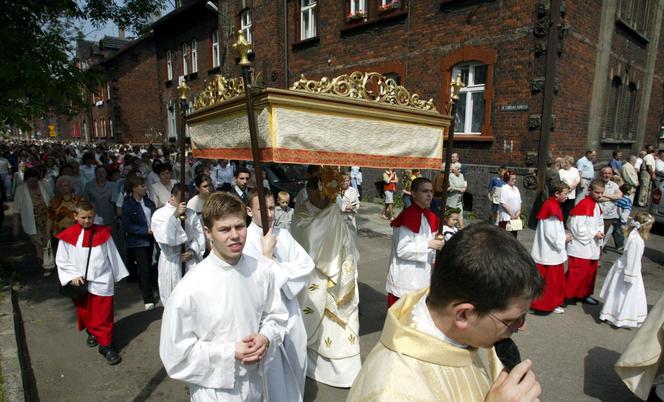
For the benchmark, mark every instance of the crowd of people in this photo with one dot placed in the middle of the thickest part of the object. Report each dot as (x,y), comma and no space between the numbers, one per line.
(238,290)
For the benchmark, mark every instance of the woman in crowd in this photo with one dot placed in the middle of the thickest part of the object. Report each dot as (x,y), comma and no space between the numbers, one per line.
(569,175)
(62,207)
(510,201)
(137,210)
(203,185)
(30,208)
(455,190)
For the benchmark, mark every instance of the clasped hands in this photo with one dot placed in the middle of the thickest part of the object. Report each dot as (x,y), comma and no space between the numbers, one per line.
(251,348)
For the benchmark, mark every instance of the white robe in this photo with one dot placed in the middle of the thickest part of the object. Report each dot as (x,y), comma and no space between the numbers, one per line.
(286,367)
(169,234)
(410,260)
(624,294)
(159,194)
(330,302)
(213,308)
(549,244)
(584,228)
(106,266)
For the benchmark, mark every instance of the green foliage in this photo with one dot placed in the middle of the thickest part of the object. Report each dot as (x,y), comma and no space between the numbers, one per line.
(37,70)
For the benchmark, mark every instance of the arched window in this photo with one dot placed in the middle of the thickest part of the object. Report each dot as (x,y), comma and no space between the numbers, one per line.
(629,109)
(613,108)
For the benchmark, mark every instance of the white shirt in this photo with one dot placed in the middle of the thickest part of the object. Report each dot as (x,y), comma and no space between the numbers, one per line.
(159,194)
(659,166)
(649,161)
(584,228)
(350,198)
(569,176)
(424,323)
(609,209)
(221,175)
(196,203)
(410,260)
(637,164)
(106,266)
(549,243)
(213,307)
(510,196)
(286,368)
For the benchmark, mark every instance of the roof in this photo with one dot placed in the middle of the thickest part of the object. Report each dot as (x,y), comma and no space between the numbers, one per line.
(112,42)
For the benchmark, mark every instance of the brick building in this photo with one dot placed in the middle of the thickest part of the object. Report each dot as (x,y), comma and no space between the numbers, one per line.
(609,78)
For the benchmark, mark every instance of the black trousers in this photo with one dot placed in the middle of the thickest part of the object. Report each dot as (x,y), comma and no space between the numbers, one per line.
(140,261)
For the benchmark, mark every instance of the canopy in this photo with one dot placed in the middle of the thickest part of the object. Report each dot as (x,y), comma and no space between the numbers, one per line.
(361,119)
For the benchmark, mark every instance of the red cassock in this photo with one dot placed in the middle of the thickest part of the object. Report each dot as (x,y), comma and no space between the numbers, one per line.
(553,294)
(581,272)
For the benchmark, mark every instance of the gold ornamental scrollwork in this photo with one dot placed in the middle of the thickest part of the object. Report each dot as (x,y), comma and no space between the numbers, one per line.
(218,90)
(372,87)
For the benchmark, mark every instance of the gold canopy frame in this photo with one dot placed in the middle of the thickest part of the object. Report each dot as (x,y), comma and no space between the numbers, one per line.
(359,119)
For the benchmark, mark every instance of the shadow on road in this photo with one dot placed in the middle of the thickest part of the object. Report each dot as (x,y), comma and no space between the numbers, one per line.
(373,308)
(150,386)
(600,380)
(131,326)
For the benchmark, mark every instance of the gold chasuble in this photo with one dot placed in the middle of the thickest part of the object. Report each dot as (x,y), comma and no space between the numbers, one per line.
(409,365)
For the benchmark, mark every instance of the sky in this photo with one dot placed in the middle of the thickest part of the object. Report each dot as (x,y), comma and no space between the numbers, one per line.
(110,29)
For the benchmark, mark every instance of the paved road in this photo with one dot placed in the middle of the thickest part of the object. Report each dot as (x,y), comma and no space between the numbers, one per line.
(573,353)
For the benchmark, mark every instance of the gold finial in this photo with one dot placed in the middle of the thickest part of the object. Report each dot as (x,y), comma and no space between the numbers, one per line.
(242,47)
(456,86)
(183,90)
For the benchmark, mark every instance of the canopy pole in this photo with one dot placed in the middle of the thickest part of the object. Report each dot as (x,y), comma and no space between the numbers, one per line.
(245,52)
(455,87)
(183,91)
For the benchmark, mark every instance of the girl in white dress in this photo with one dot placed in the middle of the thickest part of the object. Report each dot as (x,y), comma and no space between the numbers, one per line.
(624,295)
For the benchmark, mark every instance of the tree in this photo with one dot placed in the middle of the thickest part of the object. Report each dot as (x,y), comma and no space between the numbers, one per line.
(37,68)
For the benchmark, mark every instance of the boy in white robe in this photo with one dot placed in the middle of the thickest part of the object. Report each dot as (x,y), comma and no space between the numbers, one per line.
(413,244)
(286,367)
(224,315)
(86,244)
(170,235)
(438,343)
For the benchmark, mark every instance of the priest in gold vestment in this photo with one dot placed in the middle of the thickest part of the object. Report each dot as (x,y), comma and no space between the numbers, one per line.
(437,343)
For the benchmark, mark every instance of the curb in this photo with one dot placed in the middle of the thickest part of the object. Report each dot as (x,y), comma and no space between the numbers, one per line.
(10,362)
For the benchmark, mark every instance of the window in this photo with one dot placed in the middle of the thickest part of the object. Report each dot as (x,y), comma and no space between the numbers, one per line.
(108,91)
(389,3)
(169,64)
(103,128)
(470,107)
(619,121)
(215,49)
(245,25)
(636,14)
(96,130)
(172,123)
(110,127)
(194,56)
(307,19)
(358,8)
(185,59)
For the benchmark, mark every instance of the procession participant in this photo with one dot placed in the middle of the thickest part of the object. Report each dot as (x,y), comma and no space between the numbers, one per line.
(349,203)
(286,366)
(438,344)
(548,250)
(203,184)
(607,203)
(451,225)
(100,193)
(624,294)
(587,172)
(587,228)
(86,246)
(242,176)
(160,192)
(331,299)
(647,176)
(222,175)
(312,171)
(224,315)
(413,244)
(283,214)
(170,236)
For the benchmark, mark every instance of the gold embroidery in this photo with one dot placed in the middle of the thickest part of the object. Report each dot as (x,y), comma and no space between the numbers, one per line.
(328,341)
(352,338)
(313,286)
(308,310)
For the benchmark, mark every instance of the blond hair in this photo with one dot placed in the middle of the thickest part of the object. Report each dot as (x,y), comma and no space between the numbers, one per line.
(643,219)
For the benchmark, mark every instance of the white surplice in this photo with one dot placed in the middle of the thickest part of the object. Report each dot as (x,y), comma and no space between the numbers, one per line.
(624,294)
(106,266)
(330,301)
(169,234)
(410,260)
(286,367)
(549,243)
(214,307)
(584,228)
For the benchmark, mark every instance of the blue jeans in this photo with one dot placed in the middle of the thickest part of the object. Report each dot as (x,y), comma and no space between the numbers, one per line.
(407,200)
(618,234)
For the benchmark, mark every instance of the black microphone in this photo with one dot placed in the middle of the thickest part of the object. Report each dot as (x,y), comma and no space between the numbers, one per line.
(508,353)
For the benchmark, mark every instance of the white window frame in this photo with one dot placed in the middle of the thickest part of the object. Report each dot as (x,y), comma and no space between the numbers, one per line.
(185,58)
(103,128)
(108,91)
(96,130)
(358,7)
(215,49)
(309,10)
(469,89)
(194,56)
(246,24)
(172,120)
(385,3)
(110,126)
(169,65)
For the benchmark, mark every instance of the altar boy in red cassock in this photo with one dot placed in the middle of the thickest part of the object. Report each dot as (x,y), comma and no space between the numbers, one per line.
(413,244)
(587,227)
(94,311)
(549,253)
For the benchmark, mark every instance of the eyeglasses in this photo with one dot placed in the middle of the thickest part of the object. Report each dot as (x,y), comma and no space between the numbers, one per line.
(514,325)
